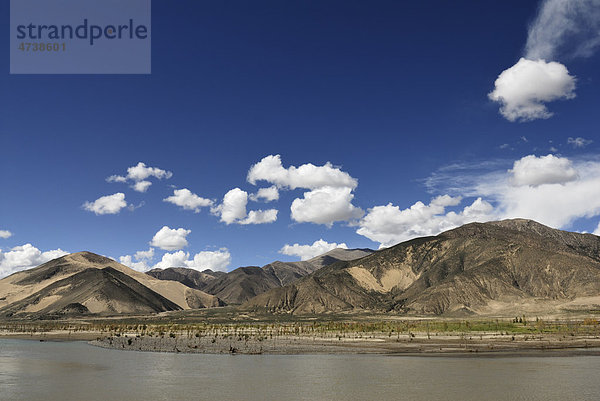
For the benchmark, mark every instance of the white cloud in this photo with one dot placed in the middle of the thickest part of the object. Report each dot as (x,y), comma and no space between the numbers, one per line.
(170,239)
(267,194)
(5,234)
(330,196)
(213,260)
(535,171)
(145,255)
(390,225)
(597,230)
(25,257)
(306,252)
(233,210)
(175,259)
(564,27)
(116,178)
(556,204)
(140,266)
(142,260)
(307,176)
(109,204)
(233,207)
(579,142)
(141,186)
(260,217)
(188,200)
(325,205)
(139,175)
(524,88)
(555,191)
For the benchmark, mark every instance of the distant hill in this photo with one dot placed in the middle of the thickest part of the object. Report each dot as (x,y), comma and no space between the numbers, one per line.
(506,267)
(244,283)
(190,277)
(88,283)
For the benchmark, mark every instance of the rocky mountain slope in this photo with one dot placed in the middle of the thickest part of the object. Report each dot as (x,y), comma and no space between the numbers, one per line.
(506,267)
(244,283)
(88,283)
(190,277)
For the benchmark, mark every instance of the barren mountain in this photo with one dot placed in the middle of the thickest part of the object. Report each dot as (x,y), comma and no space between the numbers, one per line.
(505,267)
(190,277)
(47,287)
(98,291)
(244,283)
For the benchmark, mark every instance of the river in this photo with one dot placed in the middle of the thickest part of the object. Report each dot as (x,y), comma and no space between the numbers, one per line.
(33,370)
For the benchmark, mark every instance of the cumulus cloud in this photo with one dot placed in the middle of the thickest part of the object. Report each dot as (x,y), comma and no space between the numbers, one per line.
(266,194)
(579,142)
(170,239)
(260,217)
(5,234)
(308,176)
(25,257)
(213,260)
(233,210)
(109,204)
(534,171)
(140,261)
(562,29)
(233,207)
(325,206)
(524,88)
(145,255)
(390,225)
(141,186)
(306,252)
(188,200)
(597,230)
(330,196)
(569,28)
(128,261)
(139,175)
(560,198)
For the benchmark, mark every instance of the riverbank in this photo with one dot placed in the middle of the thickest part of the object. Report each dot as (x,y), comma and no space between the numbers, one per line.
(417,344)
(407,337)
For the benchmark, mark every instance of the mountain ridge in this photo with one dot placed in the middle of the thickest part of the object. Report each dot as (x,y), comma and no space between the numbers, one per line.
(478,268)
(243,283)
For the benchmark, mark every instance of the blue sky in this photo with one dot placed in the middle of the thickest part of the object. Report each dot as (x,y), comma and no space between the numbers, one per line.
(393,95)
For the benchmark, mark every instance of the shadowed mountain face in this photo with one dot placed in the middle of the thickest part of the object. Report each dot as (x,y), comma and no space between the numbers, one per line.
(88,283)
(505,267)
(190,277)
(244,283)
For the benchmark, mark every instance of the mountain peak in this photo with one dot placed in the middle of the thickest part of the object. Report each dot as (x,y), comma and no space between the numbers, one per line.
(87,256)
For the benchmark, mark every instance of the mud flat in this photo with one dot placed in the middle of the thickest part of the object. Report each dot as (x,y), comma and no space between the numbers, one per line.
(418,344)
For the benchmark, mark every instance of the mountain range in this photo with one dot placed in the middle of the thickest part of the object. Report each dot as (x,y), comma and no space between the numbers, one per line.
(85,283)
(499,268)
(495,268)
(243,283)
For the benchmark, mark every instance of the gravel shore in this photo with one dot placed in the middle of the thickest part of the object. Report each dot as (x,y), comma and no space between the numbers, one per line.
(417,345)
